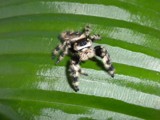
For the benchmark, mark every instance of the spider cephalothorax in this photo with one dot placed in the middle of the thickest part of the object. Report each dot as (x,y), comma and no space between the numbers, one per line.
(79,44)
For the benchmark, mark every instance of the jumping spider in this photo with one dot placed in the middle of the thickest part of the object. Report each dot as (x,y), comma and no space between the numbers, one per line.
(79,44)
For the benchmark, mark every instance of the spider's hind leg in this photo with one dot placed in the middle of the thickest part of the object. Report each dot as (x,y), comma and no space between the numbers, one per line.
(102,52)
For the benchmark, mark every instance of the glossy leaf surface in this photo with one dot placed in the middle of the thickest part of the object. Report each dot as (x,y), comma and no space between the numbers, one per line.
(32,87)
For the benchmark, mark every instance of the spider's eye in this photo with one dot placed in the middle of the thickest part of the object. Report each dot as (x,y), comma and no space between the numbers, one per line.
(82,43)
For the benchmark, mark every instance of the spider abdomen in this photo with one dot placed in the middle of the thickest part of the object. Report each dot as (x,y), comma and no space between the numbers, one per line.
(86,54)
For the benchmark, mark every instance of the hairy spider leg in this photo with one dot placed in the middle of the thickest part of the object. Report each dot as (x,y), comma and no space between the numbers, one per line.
(59,48)
(64,52)
(82,72)
(87,30)
(95,37)
(102,52)
(75,71)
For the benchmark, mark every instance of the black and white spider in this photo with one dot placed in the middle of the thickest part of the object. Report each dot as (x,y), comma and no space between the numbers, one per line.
(79,44)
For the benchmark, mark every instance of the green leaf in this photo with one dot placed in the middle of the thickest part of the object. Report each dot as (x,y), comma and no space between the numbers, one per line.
(32,87)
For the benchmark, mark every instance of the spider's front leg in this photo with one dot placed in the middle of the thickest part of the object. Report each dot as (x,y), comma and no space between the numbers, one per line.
(87,30)
(62,55)
(102,52)
(95,37)
(59,48)
(65,47)
(75,71)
